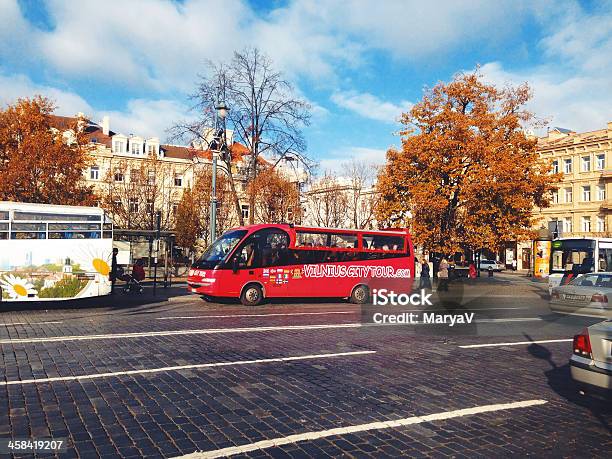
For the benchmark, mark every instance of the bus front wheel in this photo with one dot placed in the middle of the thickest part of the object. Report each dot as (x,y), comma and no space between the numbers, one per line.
(360,294)
(252,295)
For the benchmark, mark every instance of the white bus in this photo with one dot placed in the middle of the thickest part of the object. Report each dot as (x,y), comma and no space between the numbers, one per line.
(50,252)
(583,255)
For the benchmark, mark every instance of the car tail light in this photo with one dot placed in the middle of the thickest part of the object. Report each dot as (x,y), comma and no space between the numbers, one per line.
(582,344)
(599,298)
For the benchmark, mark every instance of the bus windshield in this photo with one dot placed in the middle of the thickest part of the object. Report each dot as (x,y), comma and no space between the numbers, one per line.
(217,252)
(572,256)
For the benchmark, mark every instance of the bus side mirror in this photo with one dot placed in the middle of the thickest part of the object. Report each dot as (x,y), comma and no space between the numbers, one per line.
(235,265)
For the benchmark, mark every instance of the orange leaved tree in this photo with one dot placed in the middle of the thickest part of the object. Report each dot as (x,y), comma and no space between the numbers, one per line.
(39,163)
(276,199)
(467,175)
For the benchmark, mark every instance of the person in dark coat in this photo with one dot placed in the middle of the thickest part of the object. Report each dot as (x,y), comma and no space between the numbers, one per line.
(425,282)
(114,272)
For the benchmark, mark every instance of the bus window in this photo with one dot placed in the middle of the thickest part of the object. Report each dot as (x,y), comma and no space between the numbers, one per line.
(4,215)
(218,251)
(311,239)
(264,248)
(344,241)
(27,235)
(383,242)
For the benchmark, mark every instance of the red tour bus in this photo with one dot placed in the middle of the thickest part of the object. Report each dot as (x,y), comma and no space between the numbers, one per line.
(282,260)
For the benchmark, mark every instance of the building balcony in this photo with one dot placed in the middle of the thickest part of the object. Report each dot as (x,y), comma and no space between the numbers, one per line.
(607,205)
(607,174)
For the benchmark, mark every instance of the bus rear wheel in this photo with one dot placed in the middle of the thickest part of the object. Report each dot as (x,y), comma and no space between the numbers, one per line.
(360,295)
(252,295)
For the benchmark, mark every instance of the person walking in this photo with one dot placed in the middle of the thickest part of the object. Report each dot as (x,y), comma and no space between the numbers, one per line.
(113,272)
(472,270)
(514,264)
(425,277)
(443,275)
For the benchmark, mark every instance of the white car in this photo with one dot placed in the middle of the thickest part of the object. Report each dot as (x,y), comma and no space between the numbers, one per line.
(591,363)
(586,294)
(494,265)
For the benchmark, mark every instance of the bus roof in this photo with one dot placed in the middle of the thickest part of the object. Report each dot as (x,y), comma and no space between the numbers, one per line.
(319,229)
(49,208)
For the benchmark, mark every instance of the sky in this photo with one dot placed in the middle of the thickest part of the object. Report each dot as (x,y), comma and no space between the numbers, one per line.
(359,63)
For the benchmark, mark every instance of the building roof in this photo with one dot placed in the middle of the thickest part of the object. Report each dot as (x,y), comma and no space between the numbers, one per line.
(93,131)
(572,138)
(95,135)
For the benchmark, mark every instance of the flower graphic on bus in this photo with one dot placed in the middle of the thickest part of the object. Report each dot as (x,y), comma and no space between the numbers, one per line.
(94,260)
(17,287)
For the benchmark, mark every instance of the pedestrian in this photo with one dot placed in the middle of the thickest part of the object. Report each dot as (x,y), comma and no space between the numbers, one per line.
(443,275)
(514,264)
(472,270)
(425,277)
(113,273)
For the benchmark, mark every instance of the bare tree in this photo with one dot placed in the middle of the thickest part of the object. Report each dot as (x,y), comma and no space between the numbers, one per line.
(361,196)
(135,190)
(265,115)
(327,202)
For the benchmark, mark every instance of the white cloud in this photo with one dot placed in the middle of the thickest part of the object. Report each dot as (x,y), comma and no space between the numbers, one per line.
(147,118)
(20,86)
(336,159)
(370,106)
(572,88)
(162,45)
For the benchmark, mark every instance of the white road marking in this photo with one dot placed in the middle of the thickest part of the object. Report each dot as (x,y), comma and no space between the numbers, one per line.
(259,315)
(184,367)
(517,343)
(309,436)
(29,323)
(208,331)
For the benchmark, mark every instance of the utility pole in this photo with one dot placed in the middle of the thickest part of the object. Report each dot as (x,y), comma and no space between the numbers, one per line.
(157,236)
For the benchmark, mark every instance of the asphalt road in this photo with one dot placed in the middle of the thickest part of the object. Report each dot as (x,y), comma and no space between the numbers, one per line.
(293,379)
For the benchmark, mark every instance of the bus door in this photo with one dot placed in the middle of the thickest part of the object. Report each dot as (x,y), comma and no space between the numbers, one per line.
(260,258)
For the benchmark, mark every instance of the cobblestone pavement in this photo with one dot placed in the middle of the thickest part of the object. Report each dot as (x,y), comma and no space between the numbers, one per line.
(170,378)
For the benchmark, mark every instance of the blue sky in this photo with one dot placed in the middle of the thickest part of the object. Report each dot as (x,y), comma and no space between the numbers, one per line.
(359,63)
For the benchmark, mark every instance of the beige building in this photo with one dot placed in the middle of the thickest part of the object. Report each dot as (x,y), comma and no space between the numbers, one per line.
(582,205)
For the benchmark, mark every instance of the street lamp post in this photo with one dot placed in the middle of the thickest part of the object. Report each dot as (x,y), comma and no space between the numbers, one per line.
(219,145)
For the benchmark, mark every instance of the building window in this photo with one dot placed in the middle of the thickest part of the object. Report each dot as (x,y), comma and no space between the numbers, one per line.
(567,166)
(118,146)
(289,214)
(567,225)
(568,195)
(586,193)
(555,166)
(94,173)
(151,178)
(601,162)
(133,205)
(601,224)
(117,204)
(149,206)
(245,212)
(586,224)
(175,208)
(178,180)
(118,175)
(586,163)
(135,175)
(601,192)
(555,196)
(151,149)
